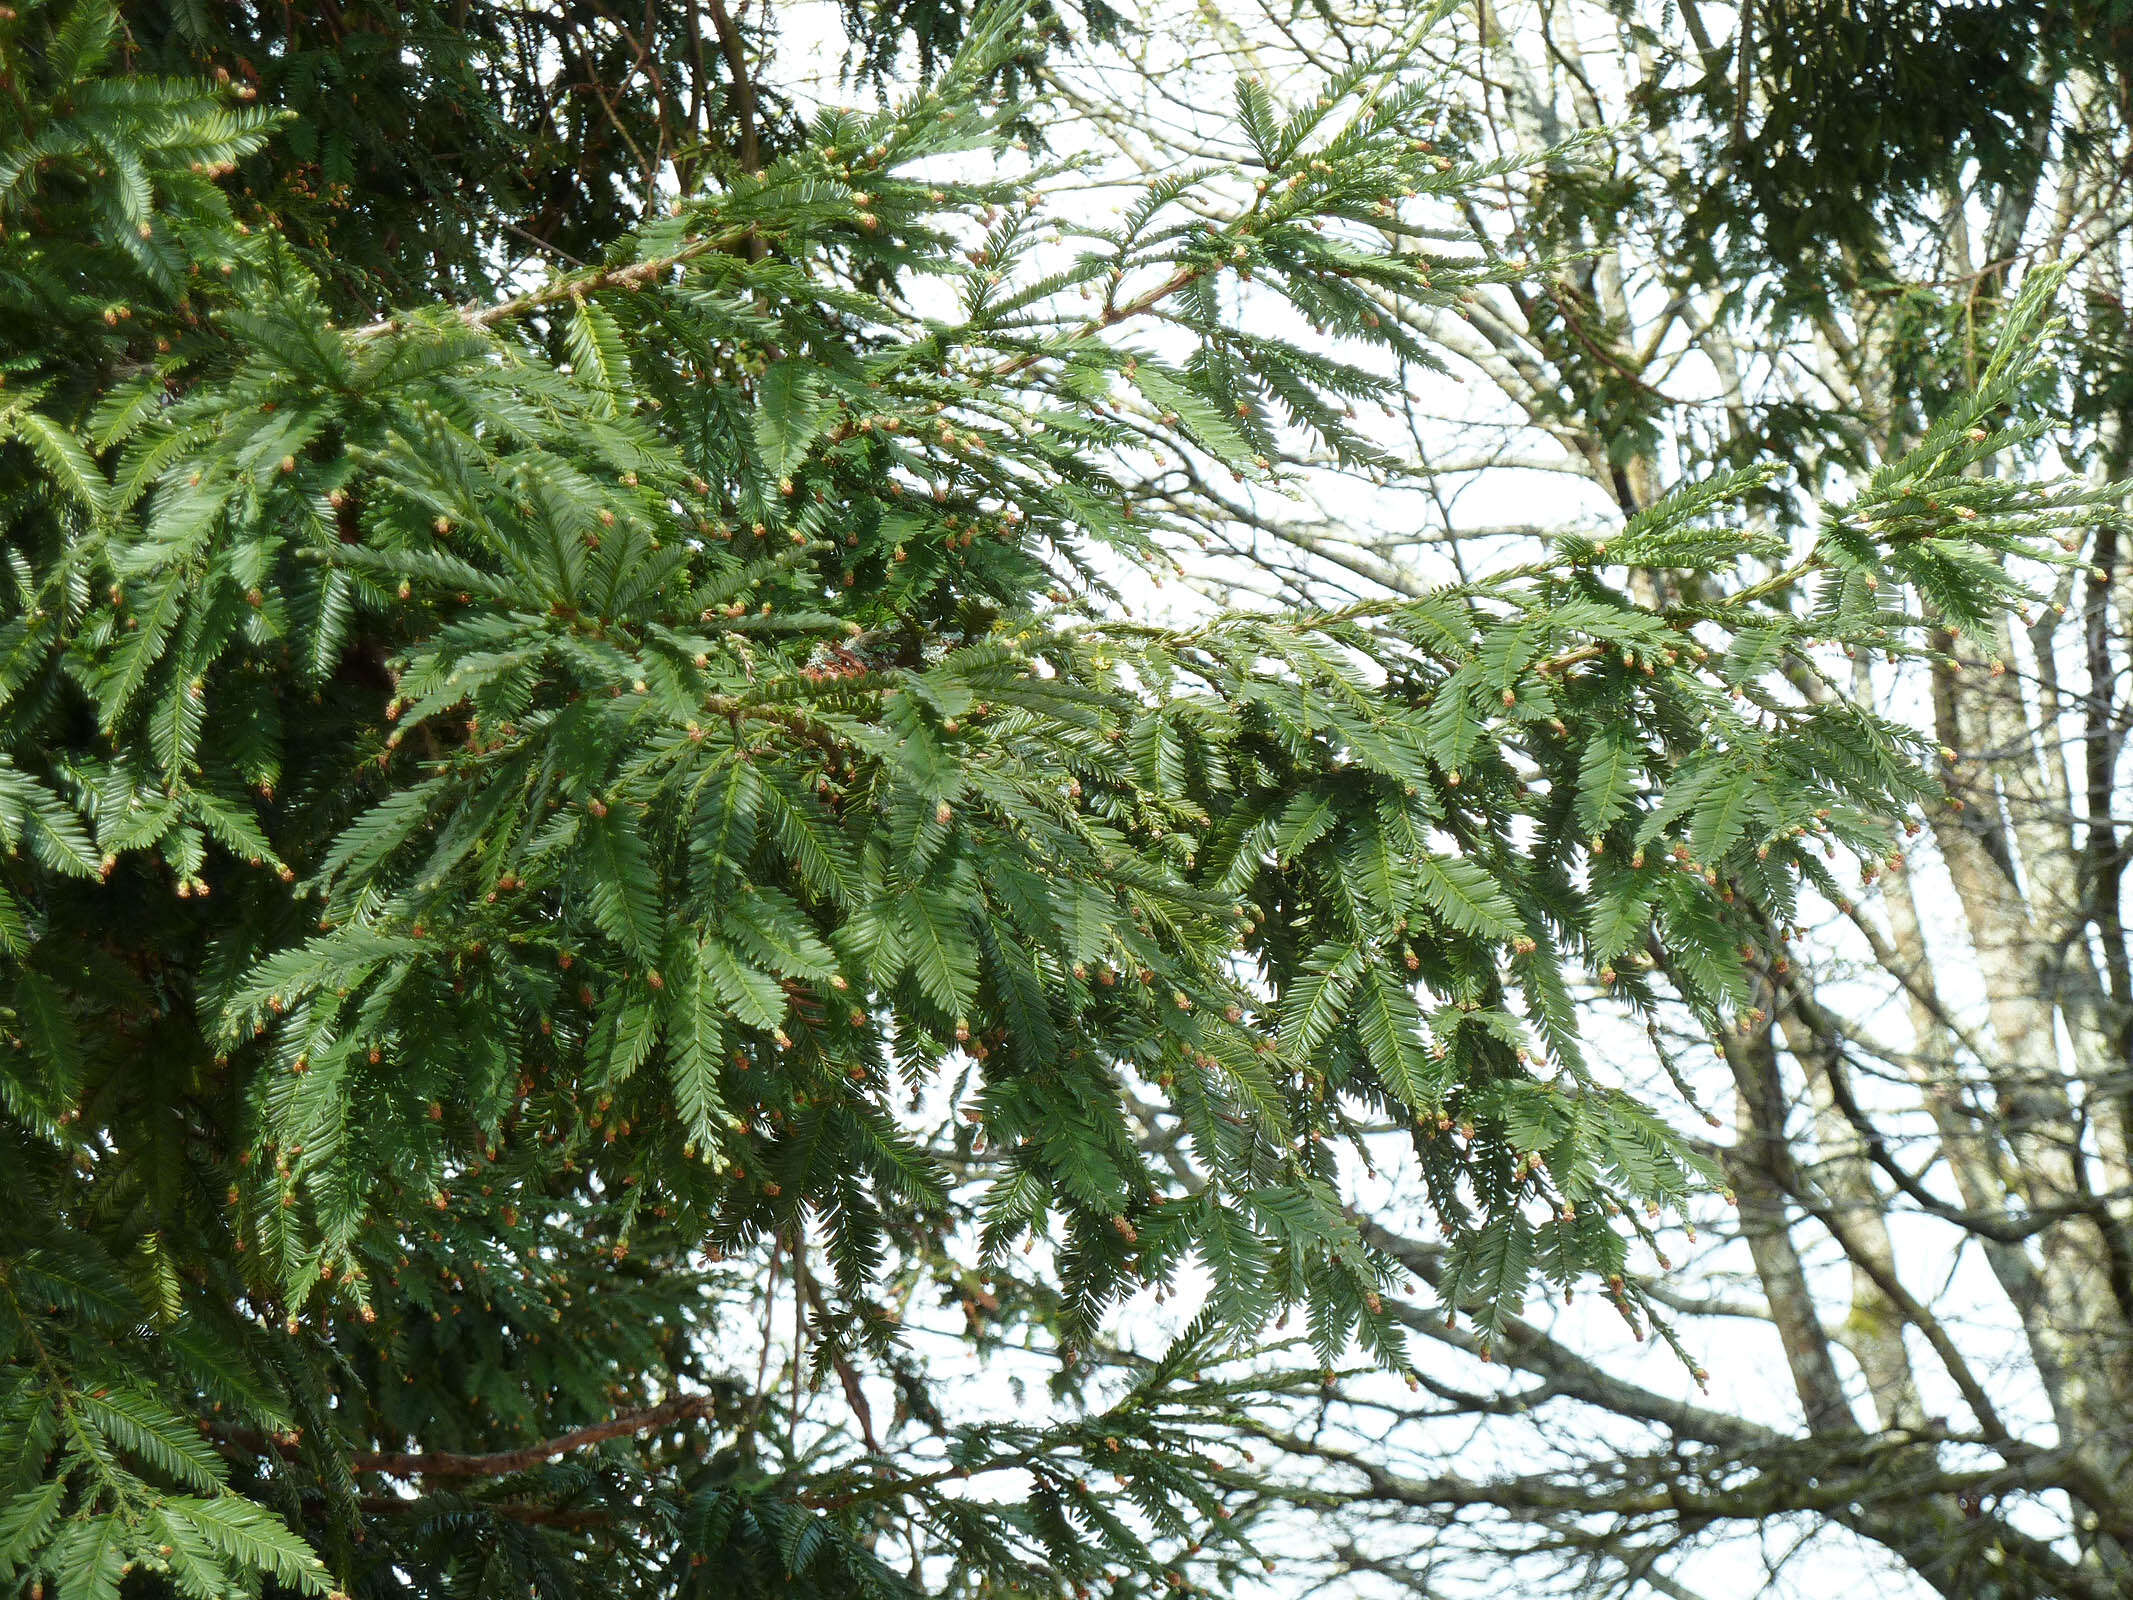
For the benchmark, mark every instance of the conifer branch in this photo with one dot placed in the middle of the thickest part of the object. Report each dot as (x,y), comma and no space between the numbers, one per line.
(503,1463)
(575,1519)
(572,286)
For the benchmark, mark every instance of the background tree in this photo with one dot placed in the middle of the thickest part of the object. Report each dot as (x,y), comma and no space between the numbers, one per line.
(434,150)
(1800,220)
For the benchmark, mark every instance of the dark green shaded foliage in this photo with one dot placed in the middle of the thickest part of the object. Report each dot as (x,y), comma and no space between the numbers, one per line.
(1843,114)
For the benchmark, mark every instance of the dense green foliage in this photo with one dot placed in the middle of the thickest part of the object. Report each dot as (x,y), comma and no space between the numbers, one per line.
(541,829)
(1828,126)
